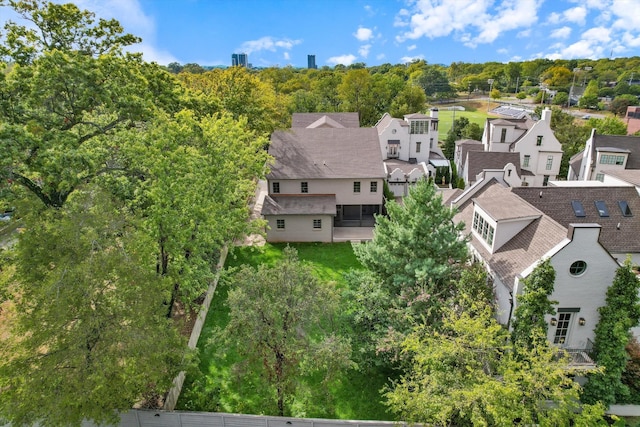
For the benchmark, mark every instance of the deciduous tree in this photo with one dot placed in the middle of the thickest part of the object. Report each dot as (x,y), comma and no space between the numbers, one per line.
(279,321)
(464,373)
(88,336)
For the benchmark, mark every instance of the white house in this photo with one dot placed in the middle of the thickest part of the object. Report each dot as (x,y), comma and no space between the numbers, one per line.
(585,232)
(409,147)
(539,150)
(605,153)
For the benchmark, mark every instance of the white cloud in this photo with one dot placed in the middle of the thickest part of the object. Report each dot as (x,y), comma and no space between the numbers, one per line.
(511,15)
(554,18)
(342,59)
(364,50)
(363,34)
(438,18)
(471,21)
(380,56)
(407,59)
(626,15)
(412,47)
(267,43)
(502,51)
(561,33)
(286,56)
(576,15)
(597,35)
(524,34)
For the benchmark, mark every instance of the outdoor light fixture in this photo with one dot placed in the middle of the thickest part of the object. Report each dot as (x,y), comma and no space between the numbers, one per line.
(582,321)
(554,321)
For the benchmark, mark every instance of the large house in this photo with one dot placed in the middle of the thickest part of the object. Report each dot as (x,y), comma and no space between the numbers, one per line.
(538,151)
(586,232)
(602,154)
(409,149)
(327,173)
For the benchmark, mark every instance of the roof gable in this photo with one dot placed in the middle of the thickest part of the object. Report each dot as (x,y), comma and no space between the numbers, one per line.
(303,120)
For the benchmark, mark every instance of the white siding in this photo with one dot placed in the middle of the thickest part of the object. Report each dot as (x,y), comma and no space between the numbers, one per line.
(587,291)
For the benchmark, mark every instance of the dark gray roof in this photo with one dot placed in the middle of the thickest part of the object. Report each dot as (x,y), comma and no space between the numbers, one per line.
(556,203)
(477,161)
(299,205)
(326,153)
(302,120)
(467,145)
(620,142)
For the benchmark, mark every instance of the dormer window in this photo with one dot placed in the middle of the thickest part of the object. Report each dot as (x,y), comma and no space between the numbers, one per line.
(483,228)
(503,135)
(610,159)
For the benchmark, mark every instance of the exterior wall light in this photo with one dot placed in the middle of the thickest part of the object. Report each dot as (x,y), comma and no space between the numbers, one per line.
(582,321)
(554,321)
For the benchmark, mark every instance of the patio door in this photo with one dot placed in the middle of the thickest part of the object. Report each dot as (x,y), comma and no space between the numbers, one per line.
(564,325)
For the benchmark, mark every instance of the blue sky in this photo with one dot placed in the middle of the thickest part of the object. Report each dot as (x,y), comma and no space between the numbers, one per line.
(284,32)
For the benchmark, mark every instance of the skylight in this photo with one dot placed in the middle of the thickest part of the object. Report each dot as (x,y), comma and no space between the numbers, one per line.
(601,206)
(624,207)
(578,209)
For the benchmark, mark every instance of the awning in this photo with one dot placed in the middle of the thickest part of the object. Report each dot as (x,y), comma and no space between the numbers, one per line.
(439,163)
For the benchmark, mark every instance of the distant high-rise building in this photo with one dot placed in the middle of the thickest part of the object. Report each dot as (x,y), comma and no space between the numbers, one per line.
(239,60)
(311,61)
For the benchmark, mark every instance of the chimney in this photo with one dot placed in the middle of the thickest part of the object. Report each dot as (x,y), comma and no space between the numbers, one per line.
(546,115)
(434,113)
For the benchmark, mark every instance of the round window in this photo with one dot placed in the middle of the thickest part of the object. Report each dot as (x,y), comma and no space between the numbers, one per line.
(393,131)
(577,268)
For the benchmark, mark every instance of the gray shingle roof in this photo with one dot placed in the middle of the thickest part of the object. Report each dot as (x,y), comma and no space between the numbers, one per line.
(500,204)
(299,205)
(302,120)
(477,161)
(326,153)
(632,176)
(556,203)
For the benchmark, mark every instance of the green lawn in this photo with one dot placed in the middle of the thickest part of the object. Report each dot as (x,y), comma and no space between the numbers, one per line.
(475,112)
(213,387)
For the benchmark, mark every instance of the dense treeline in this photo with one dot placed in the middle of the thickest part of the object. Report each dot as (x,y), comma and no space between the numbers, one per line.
(403,88)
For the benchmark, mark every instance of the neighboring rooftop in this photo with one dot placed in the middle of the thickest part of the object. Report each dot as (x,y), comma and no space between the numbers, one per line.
(477,161)
(303,120)
(620,230)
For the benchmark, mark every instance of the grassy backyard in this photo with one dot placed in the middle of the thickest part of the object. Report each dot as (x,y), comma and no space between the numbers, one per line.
(475,111)
(214,385)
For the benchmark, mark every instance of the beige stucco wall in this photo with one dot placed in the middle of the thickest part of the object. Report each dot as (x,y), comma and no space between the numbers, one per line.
(342,188)
(299,228)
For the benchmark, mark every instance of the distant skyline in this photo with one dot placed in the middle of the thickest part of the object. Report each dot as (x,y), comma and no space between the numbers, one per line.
(374,32)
